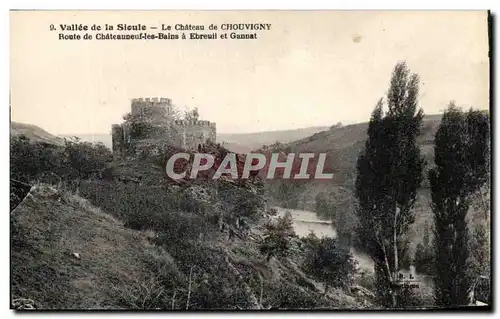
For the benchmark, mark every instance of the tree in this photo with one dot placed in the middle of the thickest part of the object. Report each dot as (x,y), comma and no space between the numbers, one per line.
(389,175)
(192,115)
(461,157)
(345,224)
(277,237)
(329,262)
(425,239)
(323,206)
(30,159)
(83,159)
(480,251)
(424,259)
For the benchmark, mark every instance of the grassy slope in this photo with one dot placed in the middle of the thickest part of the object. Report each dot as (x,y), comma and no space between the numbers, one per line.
(48,227)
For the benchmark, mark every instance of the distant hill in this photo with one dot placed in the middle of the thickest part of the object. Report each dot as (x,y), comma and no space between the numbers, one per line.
(257,139)
(343,144)
(34,133)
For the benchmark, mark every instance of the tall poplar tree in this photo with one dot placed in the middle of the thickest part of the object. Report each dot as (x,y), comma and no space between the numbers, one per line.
(389,175)
(461,156)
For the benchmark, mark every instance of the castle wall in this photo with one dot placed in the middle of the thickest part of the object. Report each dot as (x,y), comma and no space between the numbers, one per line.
(196,132)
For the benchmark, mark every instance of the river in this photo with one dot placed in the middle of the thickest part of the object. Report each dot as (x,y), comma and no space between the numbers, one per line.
(305,222)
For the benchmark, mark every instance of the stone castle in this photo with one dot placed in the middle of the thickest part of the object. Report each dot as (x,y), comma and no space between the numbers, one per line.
(154,126)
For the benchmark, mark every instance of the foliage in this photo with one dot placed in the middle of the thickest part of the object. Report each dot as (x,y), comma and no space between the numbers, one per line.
(192,115)
(143,295)
(415,297)
(336,206)
(277,237)
(243,201)
(328,262)
(286,296)
(345,224)
(424,262)
(366,280)
(479,247)
(461,157)
(83,159)
(389,175)
(285,192)
(424,255)
(324,207)
(28,160)
(143,208)
(31,161)
(140,129)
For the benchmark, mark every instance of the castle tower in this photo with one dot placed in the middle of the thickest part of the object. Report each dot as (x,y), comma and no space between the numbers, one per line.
(165,131)
(152,109)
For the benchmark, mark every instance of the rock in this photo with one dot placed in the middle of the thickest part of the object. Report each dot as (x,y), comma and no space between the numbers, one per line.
(76,255)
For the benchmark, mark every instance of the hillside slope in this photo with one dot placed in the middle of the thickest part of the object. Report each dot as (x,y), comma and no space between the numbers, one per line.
(68,254)
(345,143)
(255,140)
(34,133)
(50,227)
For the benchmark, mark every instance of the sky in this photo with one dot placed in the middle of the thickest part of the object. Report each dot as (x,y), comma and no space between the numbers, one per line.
(312,68)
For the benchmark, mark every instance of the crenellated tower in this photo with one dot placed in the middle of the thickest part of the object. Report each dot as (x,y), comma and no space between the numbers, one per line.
(158,115)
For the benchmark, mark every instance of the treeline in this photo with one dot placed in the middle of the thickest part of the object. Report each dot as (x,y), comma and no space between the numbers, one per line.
(390,171)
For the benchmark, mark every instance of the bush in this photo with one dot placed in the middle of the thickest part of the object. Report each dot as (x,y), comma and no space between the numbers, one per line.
(244,202)
(366,280)
(328,262)
(29,160)
(142,207)
(83,159)
(277,237)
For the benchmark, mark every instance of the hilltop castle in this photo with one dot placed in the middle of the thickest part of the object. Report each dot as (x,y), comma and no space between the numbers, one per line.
(152,124)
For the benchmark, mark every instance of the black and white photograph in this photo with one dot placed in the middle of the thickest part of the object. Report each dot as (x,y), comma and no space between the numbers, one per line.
(250,160)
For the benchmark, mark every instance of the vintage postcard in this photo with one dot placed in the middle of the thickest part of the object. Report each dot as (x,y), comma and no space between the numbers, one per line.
(250,160)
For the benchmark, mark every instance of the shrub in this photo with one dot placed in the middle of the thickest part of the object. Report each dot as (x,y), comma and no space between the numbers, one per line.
(283,295)
(28,160)
(277,237)
(328,262)
(142,207)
